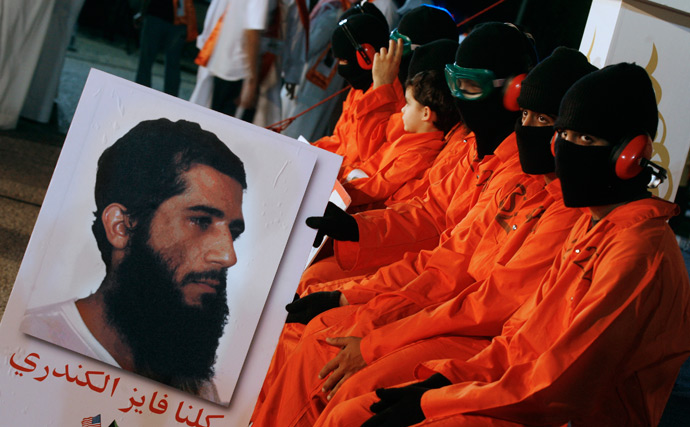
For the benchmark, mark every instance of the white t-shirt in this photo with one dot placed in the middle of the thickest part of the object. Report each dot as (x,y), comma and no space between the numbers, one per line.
(62,324)
(229,58)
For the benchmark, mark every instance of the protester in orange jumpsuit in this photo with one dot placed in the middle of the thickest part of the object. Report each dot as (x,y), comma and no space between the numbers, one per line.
(602,339)
(359,26)
(428,115)
(376,238)
(417,27)
(432,56)
(515,237)
(510,54)
(363,125)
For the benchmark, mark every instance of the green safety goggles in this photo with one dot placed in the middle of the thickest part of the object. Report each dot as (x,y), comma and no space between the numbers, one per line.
(471,84)
(408,47)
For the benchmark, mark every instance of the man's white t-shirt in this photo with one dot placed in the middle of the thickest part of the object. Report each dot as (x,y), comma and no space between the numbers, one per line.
(229,59)
(62,324)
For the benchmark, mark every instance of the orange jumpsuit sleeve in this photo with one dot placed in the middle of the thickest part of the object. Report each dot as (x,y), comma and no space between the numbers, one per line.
(449,259)
(386,234)
(590,349)
(467,256)
(406,159)
(372,114)
(483,307)
(456,146)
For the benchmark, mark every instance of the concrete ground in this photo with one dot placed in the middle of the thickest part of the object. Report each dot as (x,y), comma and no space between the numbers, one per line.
(29,153)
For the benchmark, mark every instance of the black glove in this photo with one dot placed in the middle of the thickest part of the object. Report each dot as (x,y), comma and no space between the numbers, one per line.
(302,310)
(335,223)
(402,406)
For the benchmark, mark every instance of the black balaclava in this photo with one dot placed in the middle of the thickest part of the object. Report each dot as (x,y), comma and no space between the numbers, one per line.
(614,103)
(423,25)
(365,28)
(541,92)
(506,51)
(433,56)
(367,8)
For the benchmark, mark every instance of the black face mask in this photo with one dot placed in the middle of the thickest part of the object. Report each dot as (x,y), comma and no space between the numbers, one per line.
(488,119)
(534,148)
(588,178)
(357,77)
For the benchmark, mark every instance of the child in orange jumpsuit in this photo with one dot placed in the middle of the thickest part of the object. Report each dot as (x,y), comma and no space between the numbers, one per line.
(427,116)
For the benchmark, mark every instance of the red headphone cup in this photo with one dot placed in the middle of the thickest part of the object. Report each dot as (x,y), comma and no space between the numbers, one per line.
(512,91)
(365,56)
(628,158)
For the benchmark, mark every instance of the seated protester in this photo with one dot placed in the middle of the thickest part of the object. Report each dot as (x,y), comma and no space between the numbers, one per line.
(498,47)
(402,184)
(428,115)
(417,27)
(360,27)
(602,339)
(515,236)
(494,53)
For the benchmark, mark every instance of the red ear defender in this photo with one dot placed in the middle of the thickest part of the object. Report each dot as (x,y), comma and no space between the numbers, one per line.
(365,56)
(512,91)
(631,157)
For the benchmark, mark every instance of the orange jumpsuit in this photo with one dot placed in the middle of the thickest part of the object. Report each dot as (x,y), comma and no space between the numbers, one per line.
(515,216)
(599,343)
(361,129)
(373,128)
(362,125)
(459,191)
(456,147)
(395,163)
(386,234)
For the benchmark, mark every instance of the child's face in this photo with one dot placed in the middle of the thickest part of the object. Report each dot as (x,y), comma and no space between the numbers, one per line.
(412,113)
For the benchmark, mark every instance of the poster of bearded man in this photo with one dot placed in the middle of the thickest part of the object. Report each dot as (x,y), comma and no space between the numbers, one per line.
(162,233)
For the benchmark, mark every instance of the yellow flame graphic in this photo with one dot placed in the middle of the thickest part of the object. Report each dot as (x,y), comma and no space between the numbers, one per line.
(591,47)
(658,145)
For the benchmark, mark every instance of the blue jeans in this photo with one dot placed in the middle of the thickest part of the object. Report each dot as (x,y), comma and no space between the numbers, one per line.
(159,35)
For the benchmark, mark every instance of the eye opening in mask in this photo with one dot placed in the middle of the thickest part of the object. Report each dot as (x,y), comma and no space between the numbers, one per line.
(471,84)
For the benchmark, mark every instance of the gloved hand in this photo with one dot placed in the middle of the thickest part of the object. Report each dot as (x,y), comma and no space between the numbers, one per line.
(302,310)
(403,406)
(335,223)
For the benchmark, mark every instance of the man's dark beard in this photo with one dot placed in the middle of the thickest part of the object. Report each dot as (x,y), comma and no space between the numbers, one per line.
(171,342)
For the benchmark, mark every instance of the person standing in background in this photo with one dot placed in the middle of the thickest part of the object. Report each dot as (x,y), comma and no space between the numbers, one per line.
(165,25)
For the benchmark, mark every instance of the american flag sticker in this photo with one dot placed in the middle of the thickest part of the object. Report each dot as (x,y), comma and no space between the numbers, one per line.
(91,421)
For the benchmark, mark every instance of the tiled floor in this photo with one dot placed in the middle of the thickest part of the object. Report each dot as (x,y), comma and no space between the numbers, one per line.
(27,158)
